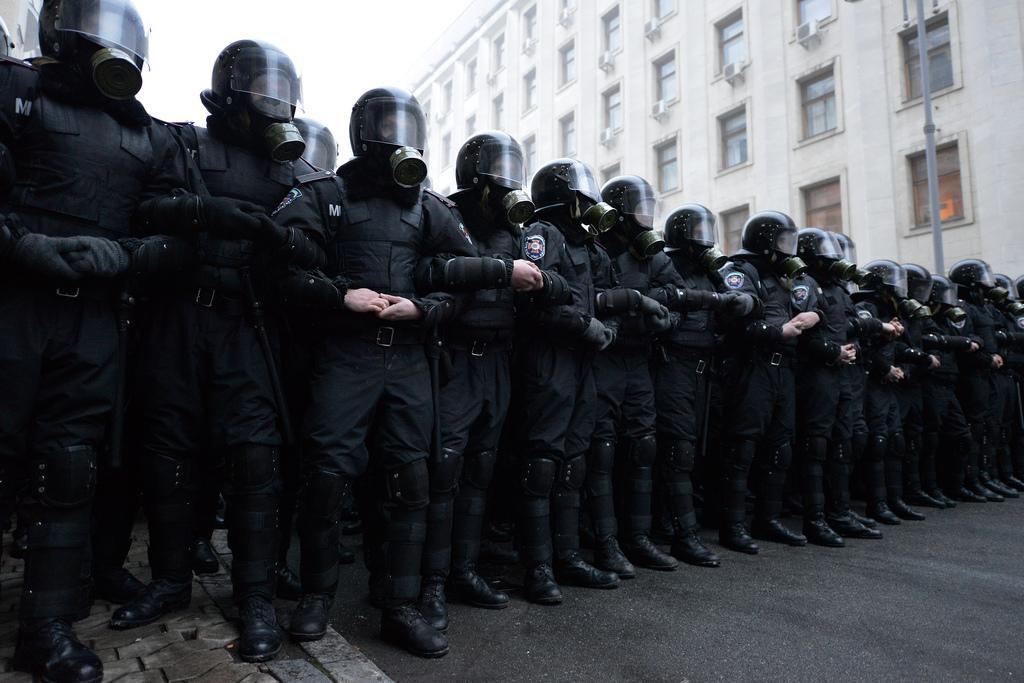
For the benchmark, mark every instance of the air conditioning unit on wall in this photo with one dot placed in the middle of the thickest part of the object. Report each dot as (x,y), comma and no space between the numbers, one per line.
(808,34)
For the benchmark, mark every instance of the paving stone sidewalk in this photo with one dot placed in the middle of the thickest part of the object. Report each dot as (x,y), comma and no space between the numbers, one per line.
(196,644)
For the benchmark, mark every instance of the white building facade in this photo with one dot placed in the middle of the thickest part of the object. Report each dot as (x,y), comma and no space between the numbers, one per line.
(22,20)
(811,107)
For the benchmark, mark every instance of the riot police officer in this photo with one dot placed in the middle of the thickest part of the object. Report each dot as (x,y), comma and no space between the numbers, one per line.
(371,395)
(760,376)
(491,206)
(555,396)
(683,362)
(81,156)
(1005,310)
(211,375)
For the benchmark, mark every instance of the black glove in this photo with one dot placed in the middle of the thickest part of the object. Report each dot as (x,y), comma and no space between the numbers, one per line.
(11,230)
(649,306)
(270,232)
(737,304)
(232,218)
(597,334)
(97,257)
(658,321)
(44,255)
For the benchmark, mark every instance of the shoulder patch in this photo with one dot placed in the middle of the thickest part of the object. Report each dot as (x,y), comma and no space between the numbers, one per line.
(800,293)
(465,233)
(959,325)
(864,315)
(734,280)
(1020,322)
(292,195)
(535,247)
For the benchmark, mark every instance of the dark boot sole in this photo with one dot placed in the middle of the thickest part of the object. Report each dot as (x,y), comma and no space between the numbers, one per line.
(710,564)
(265,657)
(822,543)
(20,664)
(794,543)
(173,607)
(545,601)
(625,576)
(746,550)
(658,567)
(203,570)
(306,637)
(393,640)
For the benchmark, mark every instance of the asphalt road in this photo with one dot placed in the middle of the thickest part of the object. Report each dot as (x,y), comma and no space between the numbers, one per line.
(936,600)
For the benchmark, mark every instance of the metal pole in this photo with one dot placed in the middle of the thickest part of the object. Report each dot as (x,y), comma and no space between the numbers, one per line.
(929,141)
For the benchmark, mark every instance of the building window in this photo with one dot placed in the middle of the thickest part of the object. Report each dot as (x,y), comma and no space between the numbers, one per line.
(940,58)
(732,228)
(530,90)
(530,24)
(470,125)
(498,53)
(667,159)
(810,10)
(567,127)
(666,87)
(529,156)
(567,58)
(951,198)
(567,4)
(818,95)
(731,48)
(612,23)
(733,127)
(609,172)
(498,110)
(824,205)
(663,8)
(613,108)
(447,95)
(471,76)
(446,150)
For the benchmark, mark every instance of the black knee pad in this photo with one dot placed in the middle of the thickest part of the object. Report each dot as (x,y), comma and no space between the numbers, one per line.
(681,456)
(253,469)
(780,458)
(572,473)
(644,451)
(876,447)
(539,477)
(408,485)
(897,445)
(478,468)
(602,456)
(165,474)
(323,493)
(444,471)
(64,478)
(816,448)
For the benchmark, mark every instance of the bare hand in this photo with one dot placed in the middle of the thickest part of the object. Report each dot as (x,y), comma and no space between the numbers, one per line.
(997,361)
(889,331)
(791,330)
(936,363)
(895,322)
(526,276)
(399,309)
(848,355)
(805,321)
(364,301)
(895,374)
(974,347)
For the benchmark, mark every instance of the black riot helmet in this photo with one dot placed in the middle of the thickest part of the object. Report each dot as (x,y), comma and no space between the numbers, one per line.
(692,227)
(1011,302)
(106,37)
(491,163)
(944,301)
(973,276)
(388,126)
(568,184)
(257,87)
(820,250)
(321,146)
(887,276)
(1018,286)
(848,248)
(919,282)
(773,234)
(633,199)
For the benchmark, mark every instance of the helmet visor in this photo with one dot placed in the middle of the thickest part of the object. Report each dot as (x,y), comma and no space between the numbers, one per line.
(785,241)
(943,292)
(639,202)
(920,289)
(502,162)
(271,80)
(895,278)
(846,247)
(321,148)
(111,23)
(581,179)
(393,122)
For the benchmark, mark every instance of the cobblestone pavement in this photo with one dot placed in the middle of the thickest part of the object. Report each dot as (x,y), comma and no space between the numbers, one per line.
(198,643)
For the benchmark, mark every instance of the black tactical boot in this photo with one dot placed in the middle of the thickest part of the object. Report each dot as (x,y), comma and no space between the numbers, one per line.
(309,620)
(345,554)
(819,532)
(644,553)
(979,489)
(261,636)
(161,597)
(118,586)
(573,570)
(848,527)
(774,530)
(472,589)
(405,627)
(903,511)
(998,487)
(966,495)
(881,513)
(539,585)
(433,603)
(1013,482)
(736,537)
(688,547)
(938,495)
(609,557)
(289,587)
(863,520)
(922,499)
(50,652)
(204,560)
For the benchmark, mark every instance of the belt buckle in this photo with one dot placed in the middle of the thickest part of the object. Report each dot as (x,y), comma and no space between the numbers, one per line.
(776,359)
(205,301)
(701,365)
(478,348)
(69,292)
(385,336)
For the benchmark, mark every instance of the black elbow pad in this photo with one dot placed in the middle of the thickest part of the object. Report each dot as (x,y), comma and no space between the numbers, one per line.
(177,213)
(160,254)
(312,290)
(301,251)
(471,273)
(618,301)
(556,290)
(8,174)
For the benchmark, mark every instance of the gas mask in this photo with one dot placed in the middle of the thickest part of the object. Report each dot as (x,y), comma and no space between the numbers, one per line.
(997,294)
(911,308)
(115,74)
(646,244)
(1015,308)
(283,141)
(712,259)
(598,218)
(515,206)
(843,270)
(956,314)
(789,266)
(408,169)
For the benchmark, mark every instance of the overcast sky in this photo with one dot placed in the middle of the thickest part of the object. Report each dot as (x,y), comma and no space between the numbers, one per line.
(341,47)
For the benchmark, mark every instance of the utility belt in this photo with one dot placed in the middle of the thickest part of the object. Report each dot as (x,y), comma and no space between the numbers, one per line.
(775,359)
(387,336)
(88,290)
(480,342)
(702,357)
(209,297)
